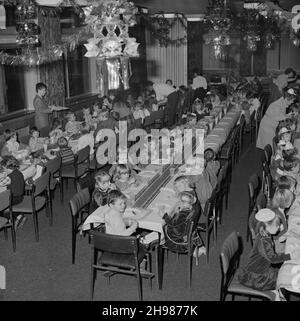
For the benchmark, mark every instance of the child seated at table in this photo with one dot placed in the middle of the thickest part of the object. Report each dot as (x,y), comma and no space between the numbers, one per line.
(139,111)
(56,131)
(72,126)
(96,110)
(65,152)
(286,182)
(10,166)
(176,224)
(35,141)
(124,177)
(86,139)
(115,223)
(103,186)
(212,166)
(11,145)
(191,120)
(87,117)
(291,167)
(259,272)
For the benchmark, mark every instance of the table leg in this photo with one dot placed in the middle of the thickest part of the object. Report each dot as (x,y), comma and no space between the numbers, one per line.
(159,265)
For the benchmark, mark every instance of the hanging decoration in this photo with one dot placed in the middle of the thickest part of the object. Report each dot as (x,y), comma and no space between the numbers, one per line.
(219,21)
(160,27)
(251,28)
(28,38)
(284,19)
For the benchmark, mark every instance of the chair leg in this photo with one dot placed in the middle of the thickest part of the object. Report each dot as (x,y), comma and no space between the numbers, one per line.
(207,247)
(73,246)
(139,281)
(36,227)
(92,285)
(13,237)
(190,269)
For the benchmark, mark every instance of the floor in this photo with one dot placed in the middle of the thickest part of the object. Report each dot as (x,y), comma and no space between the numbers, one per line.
(43,270)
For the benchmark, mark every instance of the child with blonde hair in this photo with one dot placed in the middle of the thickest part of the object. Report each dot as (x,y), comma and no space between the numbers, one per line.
(72,126)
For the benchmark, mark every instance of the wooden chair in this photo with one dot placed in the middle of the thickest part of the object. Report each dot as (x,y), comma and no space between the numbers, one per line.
(261,201)
(254,186)
(210,222)
(229,260)
(35,202)
(54,168)
(119,254)
(268,153)
(87,181)
(267,183)
(80,168)
(80,209)
(191,232)
(6,223)
(221,190)
(252,127)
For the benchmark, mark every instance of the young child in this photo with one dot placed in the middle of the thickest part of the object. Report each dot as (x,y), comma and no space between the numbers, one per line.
(285,135)
(123,177)
(212,166)
(87,117)
(72,126)
(56,131)
(291,167)
(259,272)
(96,110)
(115,223)
(35,141)
(280,203)
(65,152)
(86,139)
(11,145)
(103,186)
(176,224)
(191,120)
(139,111)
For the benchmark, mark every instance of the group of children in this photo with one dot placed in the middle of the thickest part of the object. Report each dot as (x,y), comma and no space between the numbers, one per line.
(270,225)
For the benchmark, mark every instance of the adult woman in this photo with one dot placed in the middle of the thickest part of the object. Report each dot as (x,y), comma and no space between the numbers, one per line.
(274,114)
(276,88)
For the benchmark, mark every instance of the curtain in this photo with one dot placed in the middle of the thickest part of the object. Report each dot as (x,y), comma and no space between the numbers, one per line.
(52,74)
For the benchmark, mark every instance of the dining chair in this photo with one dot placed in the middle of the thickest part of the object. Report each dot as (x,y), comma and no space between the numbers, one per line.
(210,224)
(221,190)
(236,148)
(34,203)
(80,168)
(6,223)
(54,168)
(254,186)
(268,153)
(241,136)
(80,208)
(119,254)
(267,183)
(231,251)
(252,125)
(87,181)
(94,165)
(261,201)
(188,247)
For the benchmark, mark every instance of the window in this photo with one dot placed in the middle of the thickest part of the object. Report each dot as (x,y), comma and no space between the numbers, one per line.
(77,73)
(12,87)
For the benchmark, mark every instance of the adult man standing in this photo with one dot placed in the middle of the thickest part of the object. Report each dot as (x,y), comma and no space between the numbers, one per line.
(166,94)
(40,105)
(199,85)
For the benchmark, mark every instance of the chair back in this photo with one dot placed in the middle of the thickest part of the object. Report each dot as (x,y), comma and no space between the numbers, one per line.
(79,201)
(4,200)
(267,180)
(254,186)
(268,153)
(83,155)
(114,243)
(53,165)
(41,184)
(261,201)
(229,260)
(210,210)
(252,118)
(222,175)
(87,181)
